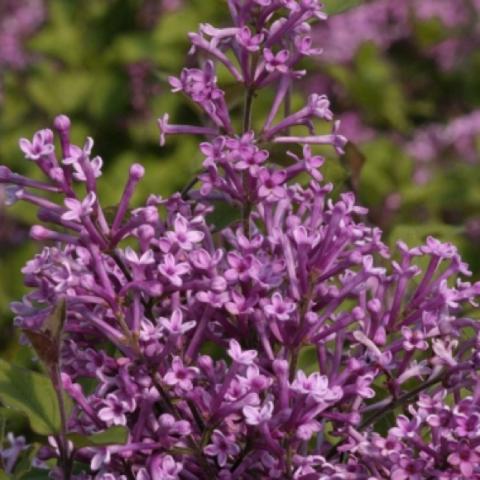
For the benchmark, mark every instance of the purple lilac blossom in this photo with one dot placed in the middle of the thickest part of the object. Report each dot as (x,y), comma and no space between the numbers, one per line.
(384,22)
(194,336)
(456,139)
(458,135)
(10,453)
(19,20)
(142,87)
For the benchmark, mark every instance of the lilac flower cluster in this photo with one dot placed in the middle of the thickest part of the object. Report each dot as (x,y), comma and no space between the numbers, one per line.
(383,23)
(142,87)
(380,22)
(269,348)
(11,449)
(458,137)
(19,19)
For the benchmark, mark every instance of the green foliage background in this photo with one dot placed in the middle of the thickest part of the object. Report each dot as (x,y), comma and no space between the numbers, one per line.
(82,56)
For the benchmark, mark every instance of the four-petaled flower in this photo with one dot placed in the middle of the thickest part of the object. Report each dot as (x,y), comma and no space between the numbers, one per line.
(40,146)
(146,258)
(465,458)
(279,308)
(258,415)
(176,326)
(164,467)
(173,270)
(182,235)
(179,375)
(413,340)
(271,184)
(276,61)
(221,447)
(249,41)
(76,209)
(244,357)
(114,410)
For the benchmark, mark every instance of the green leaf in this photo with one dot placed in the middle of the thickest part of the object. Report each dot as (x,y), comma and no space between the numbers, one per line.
(307,359)
(36,474)
(224,215)
(4,476)
(33,394)
(332,7)
(112,436)
(415,235)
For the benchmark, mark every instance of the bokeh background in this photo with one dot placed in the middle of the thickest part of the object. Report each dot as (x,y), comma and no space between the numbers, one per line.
(402,76)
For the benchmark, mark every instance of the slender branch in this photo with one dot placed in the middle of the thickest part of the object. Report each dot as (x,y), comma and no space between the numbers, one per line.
(247,110)
(405,399)
(66,460)
(247,125)
(173,408)
(188,187)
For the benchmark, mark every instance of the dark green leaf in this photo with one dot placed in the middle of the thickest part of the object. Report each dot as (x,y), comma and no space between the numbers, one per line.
(307,359)
(36,474)
(224,215)
(112,436)
(32,394)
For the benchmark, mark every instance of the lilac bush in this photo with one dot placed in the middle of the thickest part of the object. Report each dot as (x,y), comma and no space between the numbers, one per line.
(436,141)
(383,23)
(290,343)
(19,19)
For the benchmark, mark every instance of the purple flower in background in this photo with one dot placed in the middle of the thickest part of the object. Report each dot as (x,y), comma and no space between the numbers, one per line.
(19,19)
(9,455)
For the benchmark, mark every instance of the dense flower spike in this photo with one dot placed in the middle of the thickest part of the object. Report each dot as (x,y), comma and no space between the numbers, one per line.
(269,348)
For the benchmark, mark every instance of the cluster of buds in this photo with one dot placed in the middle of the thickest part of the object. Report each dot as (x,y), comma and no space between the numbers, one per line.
(269,348)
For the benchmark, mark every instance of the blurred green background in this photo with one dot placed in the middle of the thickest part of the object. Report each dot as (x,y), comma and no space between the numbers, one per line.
(404,80)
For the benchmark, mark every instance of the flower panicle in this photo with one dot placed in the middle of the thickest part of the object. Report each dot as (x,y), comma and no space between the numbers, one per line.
(268,348)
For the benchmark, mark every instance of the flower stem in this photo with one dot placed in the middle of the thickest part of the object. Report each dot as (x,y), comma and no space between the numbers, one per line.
(66,461)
